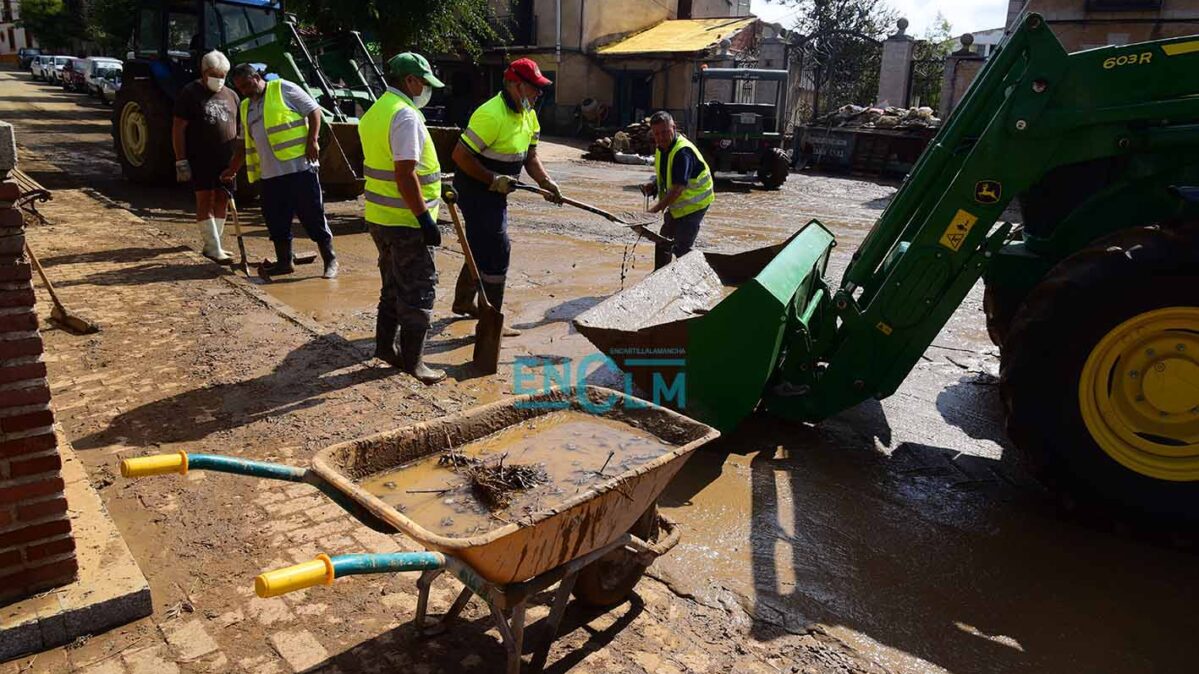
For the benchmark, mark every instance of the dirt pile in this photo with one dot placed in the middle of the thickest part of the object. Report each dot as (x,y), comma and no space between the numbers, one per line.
(859,117)
(633,139)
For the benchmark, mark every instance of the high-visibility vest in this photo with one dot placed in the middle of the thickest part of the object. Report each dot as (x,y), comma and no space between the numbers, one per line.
(286,129)
(510,134)
(384,203)
(699,193)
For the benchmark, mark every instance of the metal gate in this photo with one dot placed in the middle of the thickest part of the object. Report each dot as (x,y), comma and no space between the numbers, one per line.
(927,76)
(836,68)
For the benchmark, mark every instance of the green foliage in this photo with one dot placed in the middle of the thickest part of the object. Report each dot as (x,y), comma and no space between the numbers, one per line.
(111,23)
(426,26)
(56,24)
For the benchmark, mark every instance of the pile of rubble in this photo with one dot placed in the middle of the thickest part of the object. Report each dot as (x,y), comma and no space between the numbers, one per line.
(859,117)
(634,139)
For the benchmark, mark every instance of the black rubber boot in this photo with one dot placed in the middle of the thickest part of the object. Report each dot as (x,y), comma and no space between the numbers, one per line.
(330,259)
(412,354)
(386,331)
(283,261)
(464,294)
(495,297)
(662,256)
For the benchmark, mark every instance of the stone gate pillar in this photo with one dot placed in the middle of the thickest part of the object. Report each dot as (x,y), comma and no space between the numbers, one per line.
(895,75)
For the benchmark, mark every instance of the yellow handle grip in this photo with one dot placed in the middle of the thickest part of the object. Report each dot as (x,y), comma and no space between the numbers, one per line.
(281,581)
(157,464)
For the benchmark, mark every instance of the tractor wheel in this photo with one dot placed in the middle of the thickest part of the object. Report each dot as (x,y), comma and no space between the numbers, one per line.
(999,307)
(608,580)
(1100,377)
(774,168)
(141,133)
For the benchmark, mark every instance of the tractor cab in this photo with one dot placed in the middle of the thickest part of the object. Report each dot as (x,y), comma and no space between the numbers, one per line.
(739,123)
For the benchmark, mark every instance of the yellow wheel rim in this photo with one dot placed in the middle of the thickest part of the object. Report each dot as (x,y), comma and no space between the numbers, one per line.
(135,133)
(1139,394)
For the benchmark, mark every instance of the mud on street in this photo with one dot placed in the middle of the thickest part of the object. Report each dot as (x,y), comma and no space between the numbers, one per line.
(900,536)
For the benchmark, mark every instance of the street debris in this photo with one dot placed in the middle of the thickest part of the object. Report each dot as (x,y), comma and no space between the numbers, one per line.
(634,139)
(860,117)
(494,483)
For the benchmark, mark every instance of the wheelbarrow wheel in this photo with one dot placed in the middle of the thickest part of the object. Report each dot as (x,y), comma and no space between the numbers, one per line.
(608,580)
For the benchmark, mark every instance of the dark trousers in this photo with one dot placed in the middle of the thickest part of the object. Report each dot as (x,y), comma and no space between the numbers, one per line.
(486,223)
(295,194)
(683,230)
(409,277)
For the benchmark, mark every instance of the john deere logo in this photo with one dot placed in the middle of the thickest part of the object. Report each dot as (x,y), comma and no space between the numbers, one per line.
(988,192)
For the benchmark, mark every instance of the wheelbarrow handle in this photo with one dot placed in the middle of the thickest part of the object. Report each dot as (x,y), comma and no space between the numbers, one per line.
(180,462)
(324,569)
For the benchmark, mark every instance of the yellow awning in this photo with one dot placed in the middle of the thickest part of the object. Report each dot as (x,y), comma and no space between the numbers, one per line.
(677,36)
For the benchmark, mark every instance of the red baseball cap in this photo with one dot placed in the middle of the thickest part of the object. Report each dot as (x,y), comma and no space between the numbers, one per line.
(526,70)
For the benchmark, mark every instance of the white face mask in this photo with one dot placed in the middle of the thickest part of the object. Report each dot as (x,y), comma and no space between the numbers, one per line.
(526,104)
(422,99)
(214,84)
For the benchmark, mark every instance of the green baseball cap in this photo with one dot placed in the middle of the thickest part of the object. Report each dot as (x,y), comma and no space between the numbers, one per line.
(411,63)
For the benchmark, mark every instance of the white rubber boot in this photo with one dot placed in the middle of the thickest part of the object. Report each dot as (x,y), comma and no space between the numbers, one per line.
(220,236)
(212,244)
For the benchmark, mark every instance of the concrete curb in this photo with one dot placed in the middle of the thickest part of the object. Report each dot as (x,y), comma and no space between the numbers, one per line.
(111,589)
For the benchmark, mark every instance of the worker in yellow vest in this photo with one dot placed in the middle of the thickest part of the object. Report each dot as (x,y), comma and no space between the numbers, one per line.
(403,192)
(683,184)
(281,122)
(499,141)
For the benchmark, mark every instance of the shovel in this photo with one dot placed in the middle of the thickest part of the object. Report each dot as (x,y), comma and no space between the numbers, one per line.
(489,331)
(59,314)
(637,223)
(242,265)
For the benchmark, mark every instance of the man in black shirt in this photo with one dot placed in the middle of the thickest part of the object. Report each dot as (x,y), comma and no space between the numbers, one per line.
(203,135)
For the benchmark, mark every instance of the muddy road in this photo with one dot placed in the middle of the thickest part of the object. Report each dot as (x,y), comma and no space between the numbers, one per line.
(905,530)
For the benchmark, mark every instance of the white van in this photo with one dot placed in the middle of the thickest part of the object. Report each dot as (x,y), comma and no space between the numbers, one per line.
(94,65)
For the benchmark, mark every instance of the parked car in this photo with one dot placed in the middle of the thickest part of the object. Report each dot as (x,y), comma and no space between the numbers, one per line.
(54,71)
(36,66)
(25,56)
(96,64)
(109,80)
(73,75)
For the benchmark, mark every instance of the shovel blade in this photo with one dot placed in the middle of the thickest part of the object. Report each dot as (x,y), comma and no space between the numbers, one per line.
(489,334)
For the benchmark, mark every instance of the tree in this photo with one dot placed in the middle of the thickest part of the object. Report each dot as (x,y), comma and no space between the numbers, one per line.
(55,23)
(840,48)
(929,71)
(111,23)
(426,26)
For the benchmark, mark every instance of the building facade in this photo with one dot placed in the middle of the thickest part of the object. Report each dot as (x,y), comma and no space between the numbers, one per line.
(572,41)
(12,36)
(1088,24)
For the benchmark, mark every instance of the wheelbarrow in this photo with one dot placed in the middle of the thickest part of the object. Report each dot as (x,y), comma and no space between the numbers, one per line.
(594,543)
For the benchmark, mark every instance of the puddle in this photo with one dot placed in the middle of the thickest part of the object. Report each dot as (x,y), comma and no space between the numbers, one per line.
(572,447)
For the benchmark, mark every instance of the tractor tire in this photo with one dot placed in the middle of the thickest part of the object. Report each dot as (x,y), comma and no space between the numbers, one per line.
(141,133)
(1097,378)
(999,308)
(608,580)
(774,168)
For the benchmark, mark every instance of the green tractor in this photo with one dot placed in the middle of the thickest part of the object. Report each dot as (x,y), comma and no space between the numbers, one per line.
(171,36)
(1094,302)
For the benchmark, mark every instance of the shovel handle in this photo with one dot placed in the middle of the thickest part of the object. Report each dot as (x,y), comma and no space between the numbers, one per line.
(571,202)
(450,197)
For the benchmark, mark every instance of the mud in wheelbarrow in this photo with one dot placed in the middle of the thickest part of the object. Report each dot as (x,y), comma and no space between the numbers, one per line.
(594,542)
(706,332)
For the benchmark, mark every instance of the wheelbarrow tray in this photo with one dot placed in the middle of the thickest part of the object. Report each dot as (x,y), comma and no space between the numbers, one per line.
(563,531)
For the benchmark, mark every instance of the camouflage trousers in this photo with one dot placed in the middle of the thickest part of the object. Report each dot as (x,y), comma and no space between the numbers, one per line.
(409,277)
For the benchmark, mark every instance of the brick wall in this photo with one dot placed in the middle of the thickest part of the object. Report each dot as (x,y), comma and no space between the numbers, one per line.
(37,551)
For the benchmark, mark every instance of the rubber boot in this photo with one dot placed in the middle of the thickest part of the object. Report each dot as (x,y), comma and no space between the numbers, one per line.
(412,355)
(662,256)
(220,236)
(330,259)
(386,331)
(212,242)
(283,261)
(464,295)
(495,297)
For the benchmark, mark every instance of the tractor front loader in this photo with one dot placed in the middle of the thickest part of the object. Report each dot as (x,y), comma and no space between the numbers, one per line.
(172,35)
(1094,301)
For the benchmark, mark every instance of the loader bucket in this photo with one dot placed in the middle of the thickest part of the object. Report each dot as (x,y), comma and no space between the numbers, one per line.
(444,139)
(716,322)
(341,160)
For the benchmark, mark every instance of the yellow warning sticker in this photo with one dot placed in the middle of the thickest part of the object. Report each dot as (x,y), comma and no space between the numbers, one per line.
(1180,48)
(885,329)
(957,231)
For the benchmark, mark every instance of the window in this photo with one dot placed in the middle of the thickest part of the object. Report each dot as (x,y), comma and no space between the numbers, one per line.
(149,33)
(182,34)
(241,22)
(1123,5)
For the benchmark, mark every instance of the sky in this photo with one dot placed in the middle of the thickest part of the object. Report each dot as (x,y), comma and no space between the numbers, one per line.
(964,15)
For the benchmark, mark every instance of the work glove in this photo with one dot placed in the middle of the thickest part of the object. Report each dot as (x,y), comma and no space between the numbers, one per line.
(183,171)
(649,189)
(555,192)
(503,184)
(428,229)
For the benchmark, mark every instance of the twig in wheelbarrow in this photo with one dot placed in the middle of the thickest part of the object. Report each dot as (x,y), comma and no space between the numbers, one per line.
(493,483)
